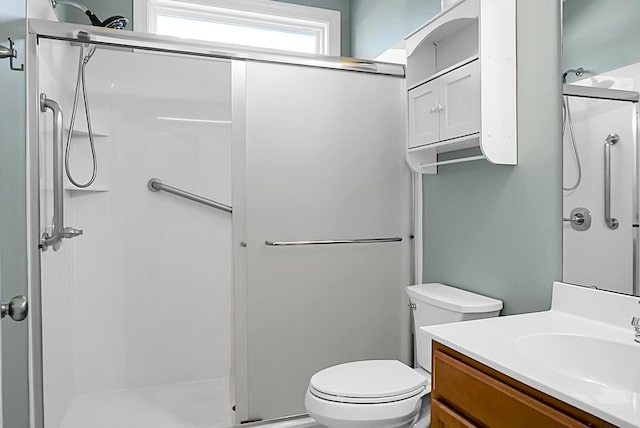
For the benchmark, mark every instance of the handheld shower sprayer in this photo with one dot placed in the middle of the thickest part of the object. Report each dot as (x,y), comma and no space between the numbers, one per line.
(117,22)
(567,124)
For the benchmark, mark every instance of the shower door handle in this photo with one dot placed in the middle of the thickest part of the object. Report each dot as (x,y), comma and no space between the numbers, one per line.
(611,222)
(58,231)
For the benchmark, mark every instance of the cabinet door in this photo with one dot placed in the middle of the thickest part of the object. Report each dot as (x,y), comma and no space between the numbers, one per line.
(424,126)
(460,102)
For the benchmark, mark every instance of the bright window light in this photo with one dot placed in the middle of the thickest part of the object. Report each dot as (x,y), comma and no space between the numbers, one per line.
(237,34)
(257,24)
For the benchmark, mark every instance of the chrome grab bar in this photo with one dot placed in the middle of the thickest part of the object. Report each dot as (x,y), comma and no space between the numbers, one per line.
(611,222)
(332,242)
(156,185)
(58,231)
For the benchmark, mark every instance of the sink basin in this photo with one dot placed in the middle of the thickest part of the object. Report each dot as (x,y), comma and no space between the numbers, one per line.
(598,361)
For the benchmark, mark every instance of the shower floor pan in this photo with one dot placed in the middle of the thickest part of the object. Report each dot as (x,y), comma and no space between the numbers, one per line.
(204,404)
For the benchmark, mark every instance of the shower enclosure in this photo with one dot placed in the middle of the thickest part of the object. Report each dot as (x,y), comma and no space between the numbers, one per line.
(249,225)
(600,196)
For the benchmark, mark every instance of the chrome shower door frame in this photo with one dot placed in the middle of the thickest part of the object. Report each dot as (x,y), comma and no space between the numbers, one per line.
(636,201)
(33,233)
(73,33)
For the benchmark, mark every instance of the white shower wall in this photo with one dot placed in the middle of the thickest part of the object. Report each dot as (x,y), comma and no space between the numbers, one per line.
(600,256)
(143,298)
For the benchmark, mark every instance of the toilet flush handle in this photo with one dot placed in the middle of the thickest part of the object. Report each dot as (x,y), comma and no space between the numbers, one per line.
(412,306)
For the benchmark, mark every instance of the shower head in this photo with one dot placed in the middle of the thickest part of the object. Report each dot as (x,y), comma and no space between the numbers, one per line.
(118,22)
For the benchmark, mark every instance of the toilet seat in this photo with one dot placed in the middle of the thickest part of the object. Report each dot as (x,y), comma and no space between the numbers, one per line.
(374,400)
(369,382)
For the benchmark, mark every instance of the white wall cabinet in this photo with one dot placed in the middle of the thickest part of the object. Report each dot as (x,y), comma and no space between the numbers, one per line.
(446,108)
(461,82)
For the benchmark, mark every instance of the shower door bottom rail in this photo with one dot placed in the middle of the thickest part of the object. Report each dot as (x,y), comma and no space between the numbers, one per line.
(156,185)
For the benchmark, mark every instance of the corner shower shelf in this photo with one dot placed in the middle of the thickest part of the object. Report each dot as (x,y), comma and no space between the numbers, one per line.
(97,188)
(461,83)
(79,133)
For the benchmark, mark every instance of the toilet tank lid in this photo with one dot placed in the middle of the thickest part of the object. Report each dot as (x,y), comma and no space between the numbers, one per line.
(453,299)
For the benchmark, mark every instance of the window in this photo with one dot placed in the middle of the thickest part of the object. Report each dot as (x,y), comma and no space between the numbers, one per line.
(257,24)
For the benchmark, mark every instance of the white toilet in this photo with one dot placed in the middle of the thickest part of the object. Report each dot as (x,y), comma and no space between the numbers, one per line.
(388,393)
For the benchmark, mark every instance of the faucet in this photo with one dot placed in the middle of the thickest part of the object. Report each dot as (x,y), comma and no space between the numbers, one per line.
(635,321)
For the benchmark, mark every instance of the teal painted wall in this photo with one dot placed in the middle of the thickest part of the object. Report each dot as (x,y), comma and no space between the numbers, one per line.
(377,25)
(497,230)
(600,35)
(13,233)
(104,9)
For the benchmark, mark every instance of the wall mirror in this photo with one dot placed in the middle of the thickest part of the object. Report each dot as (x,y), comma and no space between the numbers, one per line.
(601,71)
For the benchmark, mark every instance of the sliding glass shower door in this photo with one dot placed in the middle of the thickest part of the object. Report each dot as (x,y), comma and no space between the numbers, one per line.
(137,310)
(324,169)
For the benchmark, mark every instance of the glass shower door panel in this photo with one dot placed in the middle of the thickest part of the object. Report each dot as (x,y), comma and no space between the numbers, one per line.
(324,161)
(599,256)
(137,310)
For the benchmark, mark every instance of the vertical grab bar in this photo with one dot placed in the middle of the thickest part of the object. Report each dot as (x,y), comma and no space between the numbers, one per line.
(611,222)
(58,232)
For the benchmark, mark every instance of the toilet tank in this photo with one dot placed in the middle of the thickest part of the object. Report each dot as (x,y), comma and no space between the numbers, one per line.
(437,303)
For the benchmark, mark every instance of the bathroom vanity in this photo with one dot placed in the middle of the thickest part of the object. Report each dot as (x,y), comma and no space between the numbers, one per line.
(574,365)
(465,390)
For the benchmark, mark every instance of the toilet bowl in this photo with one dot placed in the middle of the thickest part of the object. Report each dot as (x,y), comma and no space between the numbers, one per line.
(376,393)
(388,393)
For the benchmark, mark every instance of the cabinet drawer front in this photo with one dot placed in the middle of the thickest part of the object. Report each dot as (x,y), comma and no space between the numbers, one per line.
(444,417)
(488,401)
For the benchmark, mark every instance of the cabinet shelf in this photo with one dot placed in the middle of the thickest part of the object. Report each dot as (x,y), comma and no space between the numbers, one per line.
(434,76)
(460,143)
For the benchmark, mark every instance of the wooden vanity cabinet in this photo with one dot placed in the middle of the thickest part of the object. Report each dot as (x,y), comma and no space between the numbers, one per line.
(468,394)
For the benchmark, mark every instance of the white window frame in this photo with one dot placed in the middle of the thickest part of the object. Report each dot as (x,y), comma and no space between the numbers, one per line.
(266,13)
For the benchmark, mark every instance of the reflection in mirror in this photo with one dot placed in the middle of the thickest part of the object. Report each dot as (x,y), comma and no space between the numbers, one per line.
(601,66)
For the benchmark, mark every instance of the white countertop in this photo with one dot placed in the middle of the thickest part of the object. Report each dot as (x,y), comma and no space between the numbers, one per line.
(494,342)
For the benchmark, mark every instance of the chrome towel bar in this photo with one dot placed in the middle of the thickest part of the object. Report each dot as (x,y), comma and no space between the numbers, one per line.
(332,242)
(156,185)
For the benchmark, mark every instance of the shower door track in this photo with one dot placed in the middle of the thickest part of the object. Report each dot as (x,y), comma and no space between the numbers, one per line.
(75,33)
(599,93)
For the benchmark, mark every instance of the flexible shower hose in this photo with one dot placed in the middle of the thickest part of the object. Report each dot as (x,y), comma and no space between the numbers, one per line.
(567,121)
(81,81)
